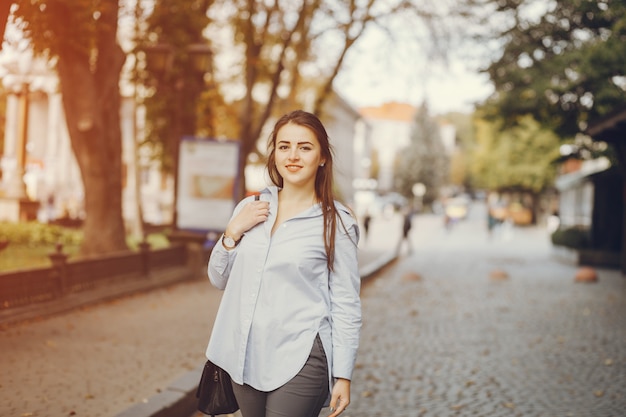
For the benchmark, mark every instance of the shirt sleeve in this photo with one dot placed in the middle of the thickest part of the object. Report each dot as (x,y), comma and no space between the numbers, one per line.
(220,264)
(345,285)
(221,260)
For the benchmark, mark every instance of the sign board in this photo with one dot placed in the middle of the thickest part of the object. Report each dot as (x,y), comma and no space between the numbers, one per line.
(207,180)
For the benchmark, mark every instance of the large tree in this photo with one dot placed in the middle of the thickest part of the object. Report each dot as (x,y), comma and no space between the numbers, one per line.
(82,36)
(563,62)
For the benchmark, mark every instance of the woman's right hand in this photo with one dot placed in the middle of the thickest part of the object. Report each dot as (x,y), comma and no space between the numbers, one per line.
(250,215)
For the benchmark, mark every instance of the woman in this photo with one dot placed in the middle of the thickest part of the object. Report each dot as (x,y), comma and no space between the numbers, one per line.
(287,330)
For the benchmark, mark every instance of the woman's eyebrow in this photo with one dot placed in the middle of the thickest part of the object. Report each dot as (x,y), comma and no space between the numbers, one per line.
(304,142)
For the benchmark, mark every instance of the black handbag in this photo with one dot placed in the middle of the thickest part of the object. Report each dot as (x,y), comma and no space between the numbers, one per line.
(215,392)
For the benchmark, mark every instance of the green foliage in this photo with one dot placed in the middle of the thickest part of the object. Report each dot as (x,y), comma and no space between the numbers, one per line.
(572,237)
(15,257)
(35,234)
(171,109)
(56,24)
(519,157)
(29,244)
(156,241)
(565,68)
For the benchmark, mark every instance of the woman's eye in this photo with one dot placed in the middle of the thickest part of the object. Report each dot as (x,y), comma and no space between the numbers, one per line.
(305,148)
(282,147)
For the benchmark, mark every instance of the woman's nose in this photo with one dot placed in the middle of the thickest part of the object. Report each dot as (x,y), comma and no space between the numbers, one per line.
(293,154)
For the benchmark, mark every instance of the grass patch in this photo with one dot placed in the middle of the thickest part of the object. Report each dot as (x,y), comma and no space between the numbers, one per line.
(31,243)
(20,256)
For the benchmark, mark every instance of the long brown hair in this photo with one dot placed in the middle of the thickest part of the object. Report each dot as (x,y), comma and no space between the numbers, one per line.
(323,179)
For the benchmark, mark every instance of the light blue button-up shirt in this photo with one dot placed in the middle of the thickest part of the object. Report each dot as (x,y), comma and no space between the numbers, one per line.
(279,294)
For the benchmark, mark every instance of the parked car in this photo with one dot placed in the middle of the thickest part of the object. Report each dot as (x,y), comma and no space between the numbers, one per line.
(456,208)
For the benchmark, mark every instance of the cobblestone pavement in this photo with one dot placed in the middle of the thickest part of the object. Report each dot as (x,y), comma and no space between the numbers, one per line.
(469,325)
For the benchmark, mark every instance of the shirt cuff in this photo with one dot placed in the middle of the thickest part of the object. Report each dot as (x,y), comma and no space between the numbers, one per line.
(343,362)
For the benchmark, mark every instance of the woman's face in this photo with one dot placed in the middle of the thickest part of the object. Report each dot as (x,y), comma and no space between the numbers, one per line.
(297,155)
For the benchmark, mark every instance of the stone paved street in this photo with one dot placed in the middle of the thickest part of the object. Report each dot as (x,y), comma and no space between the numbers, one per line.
(446,335)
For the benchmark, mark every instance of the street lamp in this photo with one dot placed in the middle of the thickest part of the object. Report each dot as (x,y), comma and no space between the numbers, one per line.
(160,57)
(419,190)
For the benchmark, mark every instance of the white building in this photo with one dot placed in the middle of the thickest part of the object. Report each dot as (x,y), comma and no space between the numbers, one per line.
(391,126)
(51,176)
(350,137)
(49,168)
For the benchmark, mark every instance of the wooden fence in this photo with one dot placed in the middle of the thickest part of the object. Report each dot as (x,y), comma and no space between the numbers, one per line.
(67,282)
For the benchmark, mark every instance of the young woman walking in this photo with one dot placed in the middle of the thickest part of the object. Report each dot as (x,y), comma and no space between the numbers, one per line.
(287,329)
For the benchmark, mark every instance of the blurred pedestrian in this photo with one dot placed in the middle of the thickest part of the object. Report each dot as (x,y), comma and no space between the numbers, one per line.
(50,208)
(366,223)
(287,329)
(407,224)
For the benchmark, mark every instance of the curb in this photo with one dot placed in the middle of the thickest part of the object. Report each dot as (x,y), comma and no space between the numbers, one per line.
(179,399)
(378,264)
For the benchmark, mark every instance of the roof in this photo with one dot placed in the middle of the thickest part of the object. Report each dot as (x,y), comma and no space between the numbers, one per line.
(611,128)
(589,168)
(390,111)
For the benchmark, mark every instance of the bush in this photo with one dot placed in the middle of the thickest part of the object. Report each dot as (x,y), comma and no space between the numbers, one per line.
(36,234)
(571,237)
(30,244)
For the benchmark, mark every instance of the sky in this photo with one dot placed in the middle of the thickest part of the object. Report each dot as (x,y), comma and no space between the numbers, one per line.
(453,89)
(406,63)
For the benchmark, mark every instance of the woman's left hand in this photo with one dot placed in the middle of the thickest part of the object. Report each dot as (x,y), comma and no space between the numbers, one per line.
(340,397)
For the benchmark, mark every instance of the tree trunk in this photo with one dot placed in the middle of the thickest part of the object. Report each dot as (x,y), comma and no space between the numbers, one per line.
(91,101)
